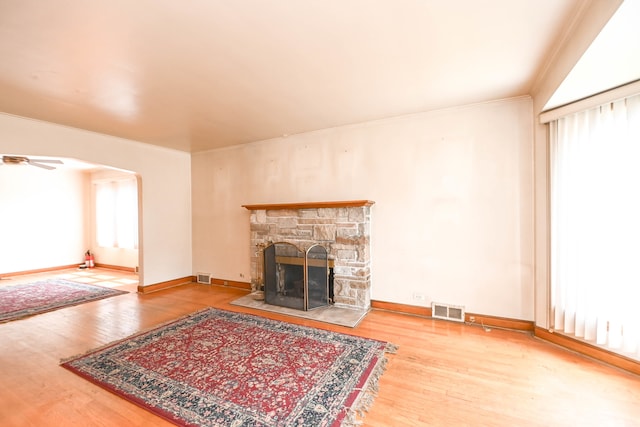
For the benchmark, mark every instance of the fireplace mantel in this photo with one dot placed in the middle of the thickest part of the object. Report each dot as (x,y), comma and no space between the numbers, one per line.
(310,205)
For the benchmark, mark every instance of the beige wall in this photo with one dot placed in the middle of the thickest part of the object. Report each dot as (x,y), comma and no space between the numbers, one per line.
(165,174)
(453,191)
(42,217)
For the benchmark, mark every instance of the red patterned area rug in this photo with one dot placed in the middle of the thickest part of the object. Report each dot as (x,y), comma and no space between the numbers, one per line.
(19,301)
(220,368)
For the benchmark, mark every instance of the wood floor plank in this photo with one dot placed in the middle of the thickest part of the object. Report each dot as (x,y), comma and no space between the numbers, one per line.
(444,373)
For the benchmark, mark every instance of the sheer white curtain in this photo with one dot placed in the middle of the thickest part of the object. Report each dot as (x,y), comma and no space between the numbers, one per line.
(117,214)
(595,225)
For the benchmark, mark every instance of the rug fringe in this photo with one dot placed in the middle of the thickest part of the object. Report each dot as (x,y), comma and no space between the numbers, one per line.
(363,403)
(391,348)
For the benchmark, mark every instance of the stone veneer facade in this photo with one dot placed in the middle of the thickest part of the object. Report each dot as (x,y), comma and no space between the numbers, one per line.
(343,228)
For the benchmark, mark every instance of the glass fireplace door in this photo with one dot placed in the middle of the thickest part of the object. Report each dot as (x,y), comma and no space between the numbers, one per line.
(284,276)
(317,278)
(293,280)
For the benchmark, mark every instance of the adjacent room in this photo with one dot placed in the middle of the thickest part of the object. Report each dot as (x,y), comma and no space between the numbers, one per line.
(434,199)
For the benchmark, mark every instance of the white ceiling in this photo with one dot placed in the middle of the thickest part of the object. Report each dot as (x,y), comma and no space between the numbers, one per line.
(205,74)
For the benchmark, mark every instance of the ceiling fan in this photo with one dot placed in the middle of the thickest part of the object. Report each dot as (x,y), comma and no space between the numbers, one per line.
(21,160)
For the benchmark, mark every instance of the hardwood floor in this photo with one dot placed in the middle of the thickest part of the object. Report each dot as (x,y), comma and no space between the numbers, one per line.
(443,374)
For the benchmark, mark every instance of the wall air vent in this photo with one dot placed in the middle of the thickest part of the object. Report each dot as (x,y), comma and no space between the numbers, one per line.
(204,278)
(447,312)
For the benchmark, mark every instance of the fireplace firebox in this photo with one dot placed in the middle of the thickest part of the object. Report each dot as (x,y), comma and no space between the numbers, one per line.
(295,278)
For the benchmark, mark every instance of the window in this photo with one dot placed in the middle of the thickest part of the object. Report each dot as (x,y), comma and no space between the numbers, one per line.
(595,225)
(117,213)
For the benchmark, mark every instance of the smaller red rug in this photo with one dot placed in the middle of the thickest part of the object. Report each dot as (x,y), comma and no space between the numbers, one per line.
(219,368)
(20,301)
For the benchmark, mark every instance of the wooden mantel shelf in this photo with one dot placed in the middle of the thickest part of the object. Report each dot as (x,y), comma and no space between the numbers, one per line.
(310,205)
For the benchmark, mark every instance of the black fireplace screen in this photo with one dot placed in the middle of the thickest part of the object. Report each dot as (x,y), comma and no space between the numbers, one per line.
(296,279)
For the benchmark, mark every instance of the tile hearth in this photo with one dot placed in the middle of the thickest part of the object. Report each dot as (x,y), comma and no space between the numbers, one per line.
(341,316)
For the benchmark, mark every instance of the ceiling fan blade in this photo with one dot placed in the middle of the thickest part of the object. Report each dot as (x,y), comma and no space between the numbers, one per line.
(56,161)
(47,167)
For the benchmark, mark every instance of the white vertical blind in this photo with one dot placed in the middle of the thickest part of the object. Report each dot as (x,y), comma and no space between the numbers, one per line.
(117,214)
(595,225)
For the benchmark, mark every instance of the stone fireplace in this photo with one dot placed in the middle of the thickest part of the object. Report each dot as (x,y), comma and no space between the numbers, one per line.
(342,228)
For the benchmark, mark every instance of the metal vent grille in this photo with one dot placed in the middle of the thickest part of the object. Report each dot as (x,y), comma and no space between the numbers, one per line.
(440,310)
(447,312)
(204,278)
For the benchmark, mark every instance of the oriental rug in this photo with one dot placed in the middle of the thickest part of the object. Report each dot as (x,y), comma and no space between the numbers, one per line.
(220,368)
(20,301)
